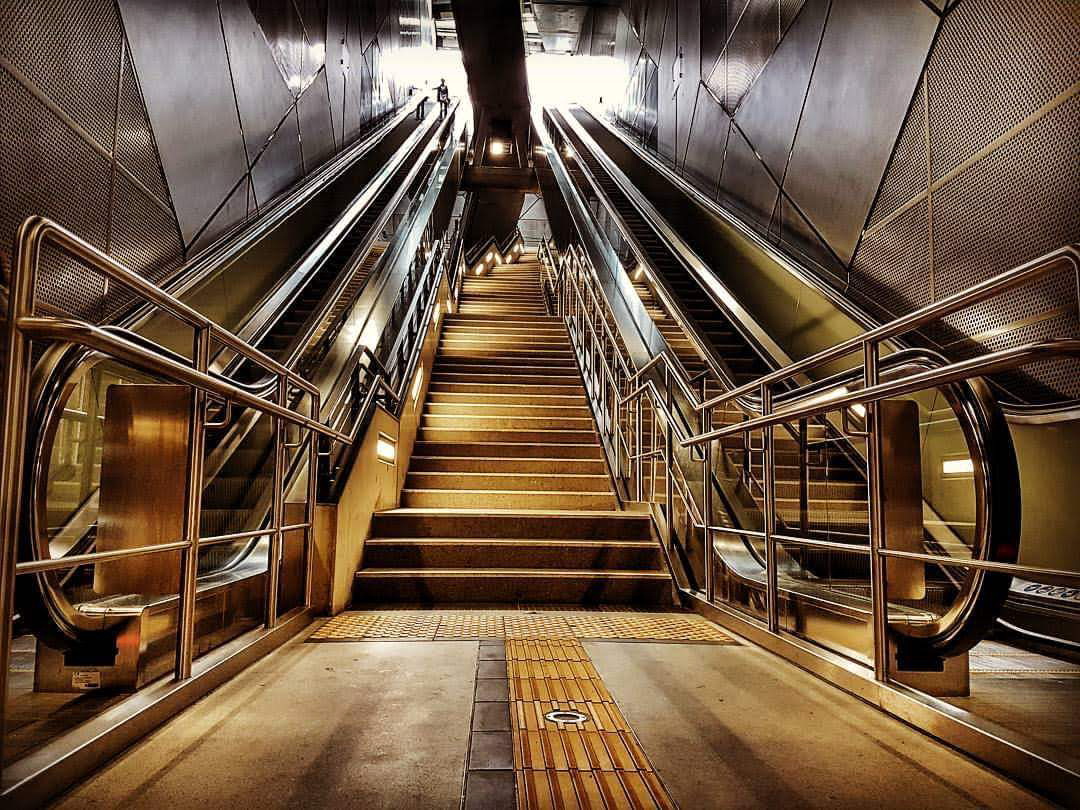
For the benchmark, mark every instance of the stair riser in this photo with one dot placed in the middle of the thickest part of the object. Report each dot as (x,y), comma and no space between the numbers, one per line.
(496,378)
(496,422)
(507,450)
(618,526)
(429,499)
(457,398)
(504,465)
(502,436)
(511,555)
(515,409)
(528,482)
(511,589)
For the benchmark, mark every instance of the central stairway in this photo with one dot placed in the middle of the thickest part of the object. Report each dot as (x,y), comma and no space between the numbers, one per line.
(508,498)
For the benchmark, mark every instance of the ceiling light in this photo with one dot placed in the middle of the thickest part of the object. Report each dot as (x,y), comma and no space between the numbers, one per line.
(497,148)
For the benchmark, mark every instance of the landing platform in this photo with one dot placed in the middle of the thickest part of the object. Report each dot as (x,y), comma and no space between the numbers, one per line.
(441,708)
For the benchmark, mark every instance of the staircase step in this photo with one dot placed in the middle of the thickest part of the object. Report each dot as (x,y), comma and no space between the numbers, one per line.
(512,585)
(508,481)
(506,449)
(482,396)
(506,499)
(500,377)
(548,524)
(502,464)
(478,553)
(502,436)
(489,421)
(482,390)
(509,409)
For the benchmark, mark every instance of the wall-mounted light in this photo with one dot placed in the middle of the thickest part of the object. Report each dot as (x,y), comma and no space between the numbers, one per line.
(490,256)
(957,466)
(418,382)
(386,448)
(449,306)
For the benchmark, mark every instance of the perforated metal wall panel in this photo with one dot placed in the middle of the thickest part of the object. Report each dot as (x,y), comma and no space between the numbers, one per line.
(909,166)
(79,145)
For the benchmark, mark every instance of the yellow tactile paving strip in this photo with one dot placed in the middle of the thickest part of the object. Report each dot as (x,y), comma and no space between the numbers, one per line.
(597,764)
(432,625)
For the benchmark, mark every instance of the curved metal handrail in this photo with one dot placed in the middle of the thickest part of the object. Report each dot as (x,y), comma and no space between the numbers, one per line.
(984,426)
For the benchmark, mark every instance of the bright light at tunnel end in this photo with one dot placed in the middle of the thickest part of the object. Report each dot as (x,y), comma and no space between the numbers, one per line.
(562,79)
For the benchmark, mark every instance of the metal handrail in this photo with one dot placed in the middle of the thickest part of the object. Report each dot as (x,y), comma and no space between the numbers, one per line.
(1068,255)
(24,325)
(990,363)
(323,248)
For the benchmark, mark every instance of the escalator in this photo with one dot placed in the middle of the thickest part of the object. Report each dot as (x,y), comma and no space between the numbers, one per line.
(295,321)
(821,474)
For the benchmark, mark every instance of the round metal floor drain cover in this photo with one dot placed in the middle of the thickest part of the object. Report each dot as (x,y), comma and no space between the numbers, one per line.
(566,716)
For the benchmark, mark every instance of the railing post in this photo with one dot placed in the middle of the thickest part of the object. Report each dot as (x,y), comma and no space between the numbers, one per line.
(769,476)
(273,571)
(638,443)
(669,481)
(707,502)
(804,480)
(189,565)
(874,439)
(16,404)
(312,498)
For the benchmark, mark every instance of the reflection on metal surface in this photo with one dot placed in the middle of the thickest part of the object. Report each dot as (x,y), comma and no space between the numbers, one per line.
(145,450)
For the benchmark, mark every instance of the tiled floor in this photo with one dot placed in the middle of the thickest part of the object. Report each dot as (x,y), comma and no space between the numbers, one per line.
(399,722)
(531,663)
(595,763)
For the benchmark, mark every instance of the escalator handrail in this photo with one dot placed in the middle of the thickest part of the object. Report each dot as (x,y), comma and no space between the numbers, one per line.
(294,282)
(1021,275)
(19,493)
(336,399)
(1033,414)
(756,337)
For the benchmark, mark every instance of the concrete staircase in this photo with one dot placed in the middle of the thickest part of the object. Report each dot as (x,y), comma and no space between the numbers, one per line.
(507,498)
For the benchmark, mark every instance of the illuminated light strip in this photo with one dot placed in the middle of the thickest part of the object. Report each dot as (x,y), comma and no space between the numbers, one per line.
(957,466)
(386,448)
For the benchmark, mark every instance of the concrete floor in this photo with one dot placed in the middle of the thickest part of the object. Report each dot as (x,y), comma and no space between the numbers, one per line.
(732,727)
(385,724)
(363,724)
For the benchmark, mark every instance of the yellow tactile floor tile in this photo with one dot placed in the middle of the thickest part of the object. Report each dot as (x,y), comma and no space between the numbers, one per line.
(421,626)
(347,626)
(596,763)
(647,626)
(550,626)
(470,626)
(543,625)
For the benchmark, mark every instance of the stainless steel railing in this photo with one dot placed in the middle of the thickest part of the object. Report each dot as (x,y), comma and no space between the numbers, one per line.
(639,450)
(25,324)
